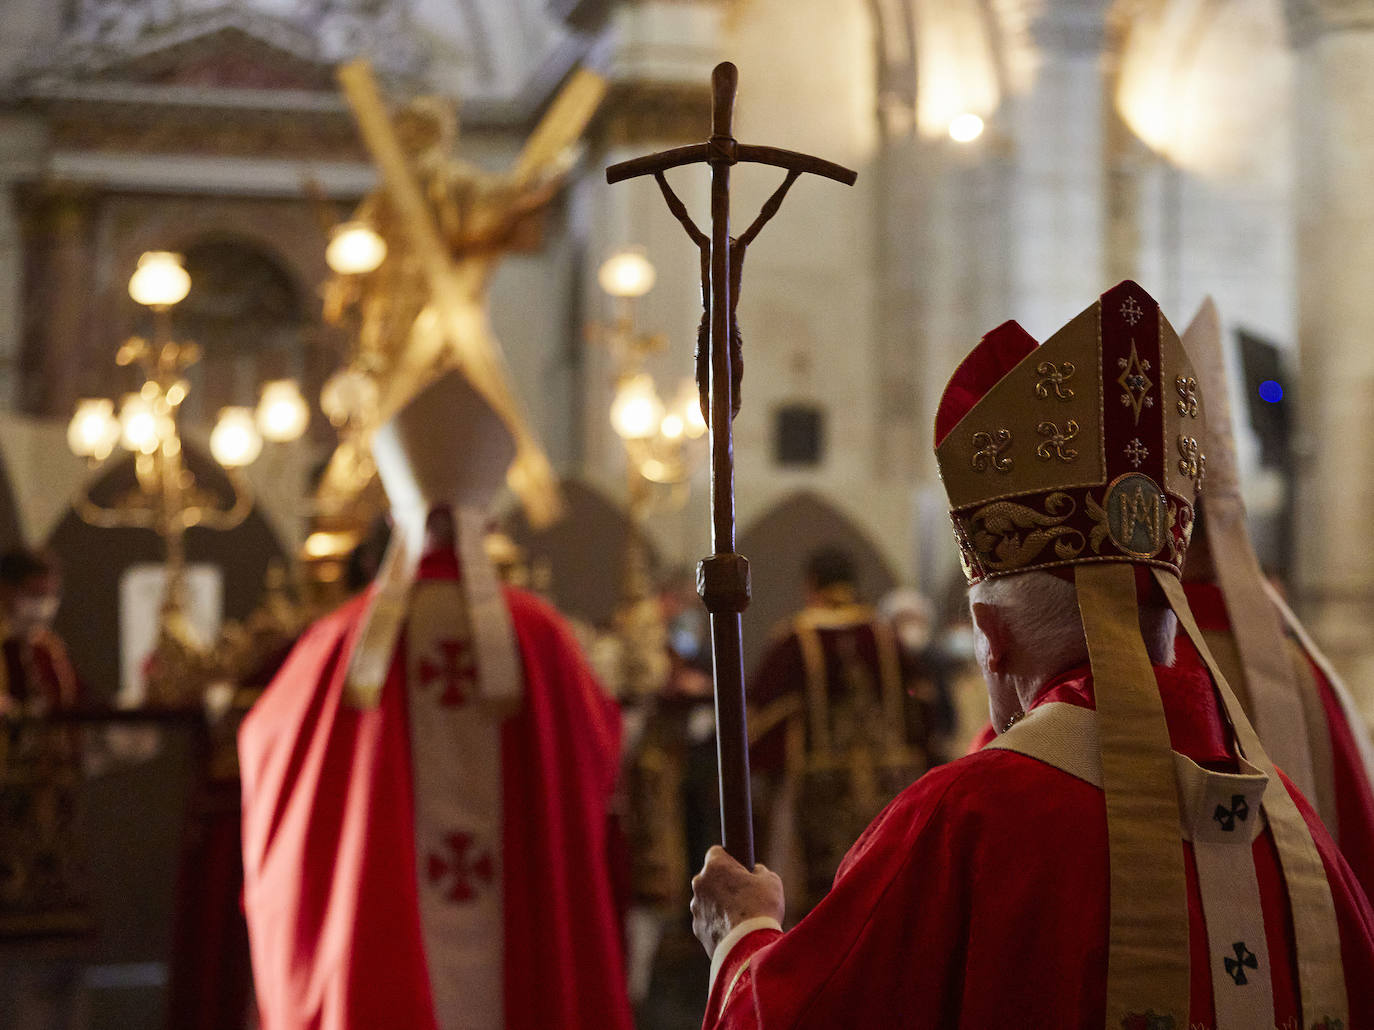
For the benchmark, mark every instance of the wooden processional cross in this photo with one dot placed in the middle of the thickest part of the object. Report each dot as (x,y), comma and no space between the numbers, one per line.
(723,578)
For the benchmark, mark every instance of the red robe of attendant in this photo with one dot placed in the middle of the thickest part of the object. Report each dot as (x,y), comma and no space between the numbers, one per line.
(978,899)
(329,852)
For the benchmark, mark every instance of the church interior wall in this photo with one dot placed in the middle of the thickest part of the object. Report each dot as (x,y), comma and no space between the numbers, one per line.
(1218,214)
(1054,219)
(807,309)
(1013,225)
(30,26)
(1335,248)
(578,561)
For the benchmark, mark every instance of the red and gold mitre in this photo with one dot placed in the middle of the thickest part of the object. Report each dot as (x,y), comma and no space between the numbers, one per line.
(1085,448)
(449,448)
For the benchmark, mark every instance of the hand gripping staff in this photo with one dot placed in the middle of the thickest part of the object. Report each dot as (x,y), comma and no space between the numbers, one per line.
(723,578)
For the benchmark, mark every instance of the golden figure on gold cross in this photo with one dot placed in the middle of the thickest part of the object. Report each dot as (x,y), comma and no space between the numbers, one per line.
(446,224)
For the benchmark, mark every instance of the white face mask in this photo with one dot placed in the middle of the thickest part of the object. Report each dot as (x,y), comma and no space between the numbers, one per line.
(36,613)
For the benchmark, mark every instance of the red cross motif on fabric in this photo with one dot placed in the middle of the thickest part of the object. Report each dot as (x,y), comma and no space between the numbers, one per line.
(461,866)
(455,668)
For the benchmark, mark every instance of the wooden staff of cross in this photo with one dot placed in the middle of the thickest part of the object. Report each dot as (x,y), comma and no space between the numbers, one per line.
(723,578)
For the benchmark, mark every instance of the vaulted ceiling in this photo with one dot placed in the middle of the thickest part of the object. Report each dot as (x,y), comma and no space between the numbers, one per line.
(501,57)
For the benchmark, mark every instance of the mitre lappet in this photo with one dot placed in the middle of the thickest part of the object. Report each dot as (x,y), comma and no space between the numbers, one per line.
(441,458)
(1084,457)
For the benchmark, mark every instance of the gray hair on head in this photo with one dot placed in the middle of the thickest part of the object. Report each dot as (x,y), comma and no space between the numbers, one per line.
(1041,612)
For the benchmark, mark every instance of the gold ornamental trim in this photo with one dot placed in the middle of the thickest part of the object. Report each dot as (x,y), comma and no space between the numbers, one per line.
(997,530)
(1134,520)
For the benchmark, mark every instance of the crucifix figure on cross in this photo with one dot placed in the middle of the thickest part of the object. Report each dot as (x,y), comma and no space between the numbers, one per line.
(738,246)
(723,578)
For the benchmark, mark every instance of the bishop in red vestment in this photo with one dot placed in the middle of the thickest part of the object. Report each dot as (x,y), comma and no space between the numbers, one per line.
(1124,853)
(426,781)
(979,899)
(1298,704)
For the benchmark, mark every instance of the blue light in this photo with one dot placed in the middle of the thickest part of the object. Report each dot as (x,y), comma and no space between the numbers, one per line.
(1270,391)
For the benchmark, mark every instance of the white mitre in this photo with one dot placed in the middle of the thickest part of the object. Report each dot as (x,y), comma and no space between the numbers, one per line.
(447,448)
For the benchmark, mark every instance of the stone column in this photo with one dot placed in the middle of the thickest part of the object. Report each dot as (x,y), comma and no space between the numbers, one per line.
(11,295)
(1057,222)
(902,279)
(64,303)
(1335,459)
(22,145)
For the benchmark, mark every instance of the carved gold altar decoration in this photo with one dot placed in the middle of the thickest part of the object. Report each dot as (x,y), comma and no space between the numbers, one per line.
(167,499)
(422,307)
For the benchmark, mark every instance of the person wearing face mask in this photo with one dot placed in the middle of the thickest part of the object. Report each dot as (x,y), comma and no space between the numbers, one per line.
(45,908)
(38,675)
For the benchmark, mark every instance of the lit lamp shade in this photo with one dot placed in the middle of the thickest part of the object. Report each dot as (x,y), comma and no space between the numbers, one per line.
(160,280)
(965,127)
(235,442)
(687,406)
(636,412)
(348,394)
(282,413)
(138,423)
(93,430)
(673,426)
(627,273)
(355,248)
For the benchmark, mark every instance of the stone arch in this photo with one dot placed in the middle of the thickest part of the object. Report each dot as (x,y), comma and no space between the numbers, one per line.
(283,232)
(777,544)
(94,559)
(584,551)
(1207,85)
(249,316)
(285,228)
(936,58)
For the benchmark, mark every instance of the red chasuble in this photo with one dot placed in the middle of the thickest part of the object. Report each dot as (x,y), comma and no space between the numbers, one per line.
(329,853)
(978,899)
(1353,826)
